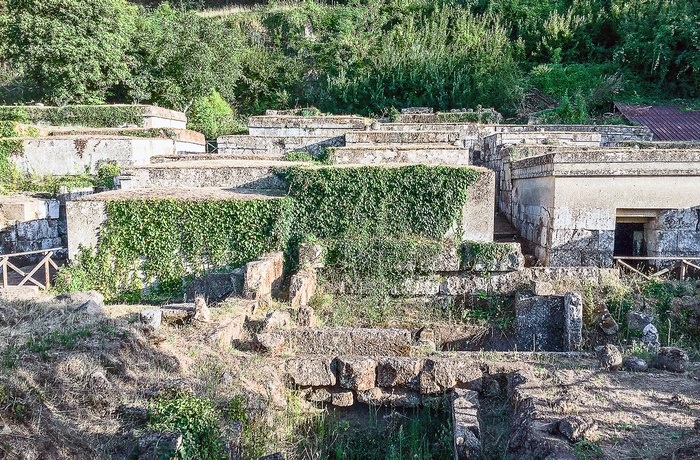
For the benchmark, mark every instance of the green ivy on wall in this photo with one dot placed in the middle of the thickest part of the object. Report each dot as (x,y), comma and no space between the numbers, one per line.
(380,225)
(412,200)
(368,264)
(156,243)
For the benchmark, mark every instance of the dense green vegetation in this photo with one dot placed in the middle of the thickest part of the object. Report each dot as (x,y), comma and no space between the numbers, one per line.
(380,224)
(569,57)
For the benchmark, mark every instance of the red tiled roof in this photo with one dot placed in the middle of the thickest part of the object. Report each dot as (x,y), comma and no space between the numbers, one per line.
(665,121)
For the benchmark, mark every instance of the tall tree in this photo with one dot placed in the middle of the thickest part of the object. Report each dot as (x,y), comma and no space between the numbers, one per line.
(73,51)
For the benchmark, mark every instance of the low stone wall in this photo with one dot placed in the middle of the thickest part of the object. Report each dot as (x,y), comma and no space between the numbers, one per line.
(276,146)
(144,116)
(401,153)
(62,155)
(381,381)
(258,175)
(401,137)
(505,283)
(316,126)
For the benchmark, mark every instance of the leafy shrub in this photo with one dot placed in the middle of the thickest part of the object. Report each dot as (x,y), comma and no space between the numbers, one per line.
(106,174)
(196,418)
(211,116)
(299,156)
(72,50)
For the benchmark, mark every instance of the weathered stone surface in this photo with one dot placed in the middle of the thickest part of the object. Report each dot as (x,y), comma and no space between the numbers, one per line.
(276,456)
(573,320)
(542,288)
(232,437)
(178,313)
(159,446)
(398,371)
(349,341)
(671,359)
(427,384)
(277,320)
(263,277)
(99,380)
(269,343)
(151,318)
(302,286)
(635,364)
(609,357)
(322,395)
(451,372)
(465,425)
(90,308)
(576,428)
(306,317)
(307,371)
(395,397)
(539,323)
(448,260)
(650,337)
(227,329)
(356,372)
(310,256)
(637,321)
(80,297)
(201,311)
(510,282)
(216,287)
(342,398)
(531,438)
(608,324)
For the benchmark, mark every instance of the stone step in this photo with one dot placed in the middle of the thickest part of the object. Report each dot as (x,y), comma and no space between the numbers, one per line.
(255,175)
(277,145)
(321,126)
(435,154)
(401,137)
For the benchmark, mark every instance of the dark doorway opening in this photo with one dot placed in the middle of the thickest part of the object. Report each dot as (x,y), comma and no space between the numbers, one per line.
(629,240)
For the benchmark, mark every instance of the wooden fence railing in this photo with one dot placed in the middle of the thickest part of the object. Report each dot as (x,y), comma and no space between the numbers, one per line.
(47,262)
(682,263)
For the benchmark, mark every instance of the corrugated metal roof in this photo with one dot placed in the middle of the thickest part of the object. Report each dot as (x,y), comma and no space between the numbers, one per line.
(665,121)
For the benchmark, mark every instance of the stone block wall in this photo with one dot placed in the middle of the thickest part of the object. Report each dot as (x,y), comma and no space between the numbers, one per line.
(675,232)
(33,224)
(62,155)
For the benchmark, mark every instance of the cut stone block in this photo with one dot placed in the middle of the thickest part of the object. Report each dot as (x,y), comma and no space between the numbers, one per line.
(540,323)
(302,286)
(356,372)
(398,371)
(311,371)
(465,424)
(389,397)
(263,277)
